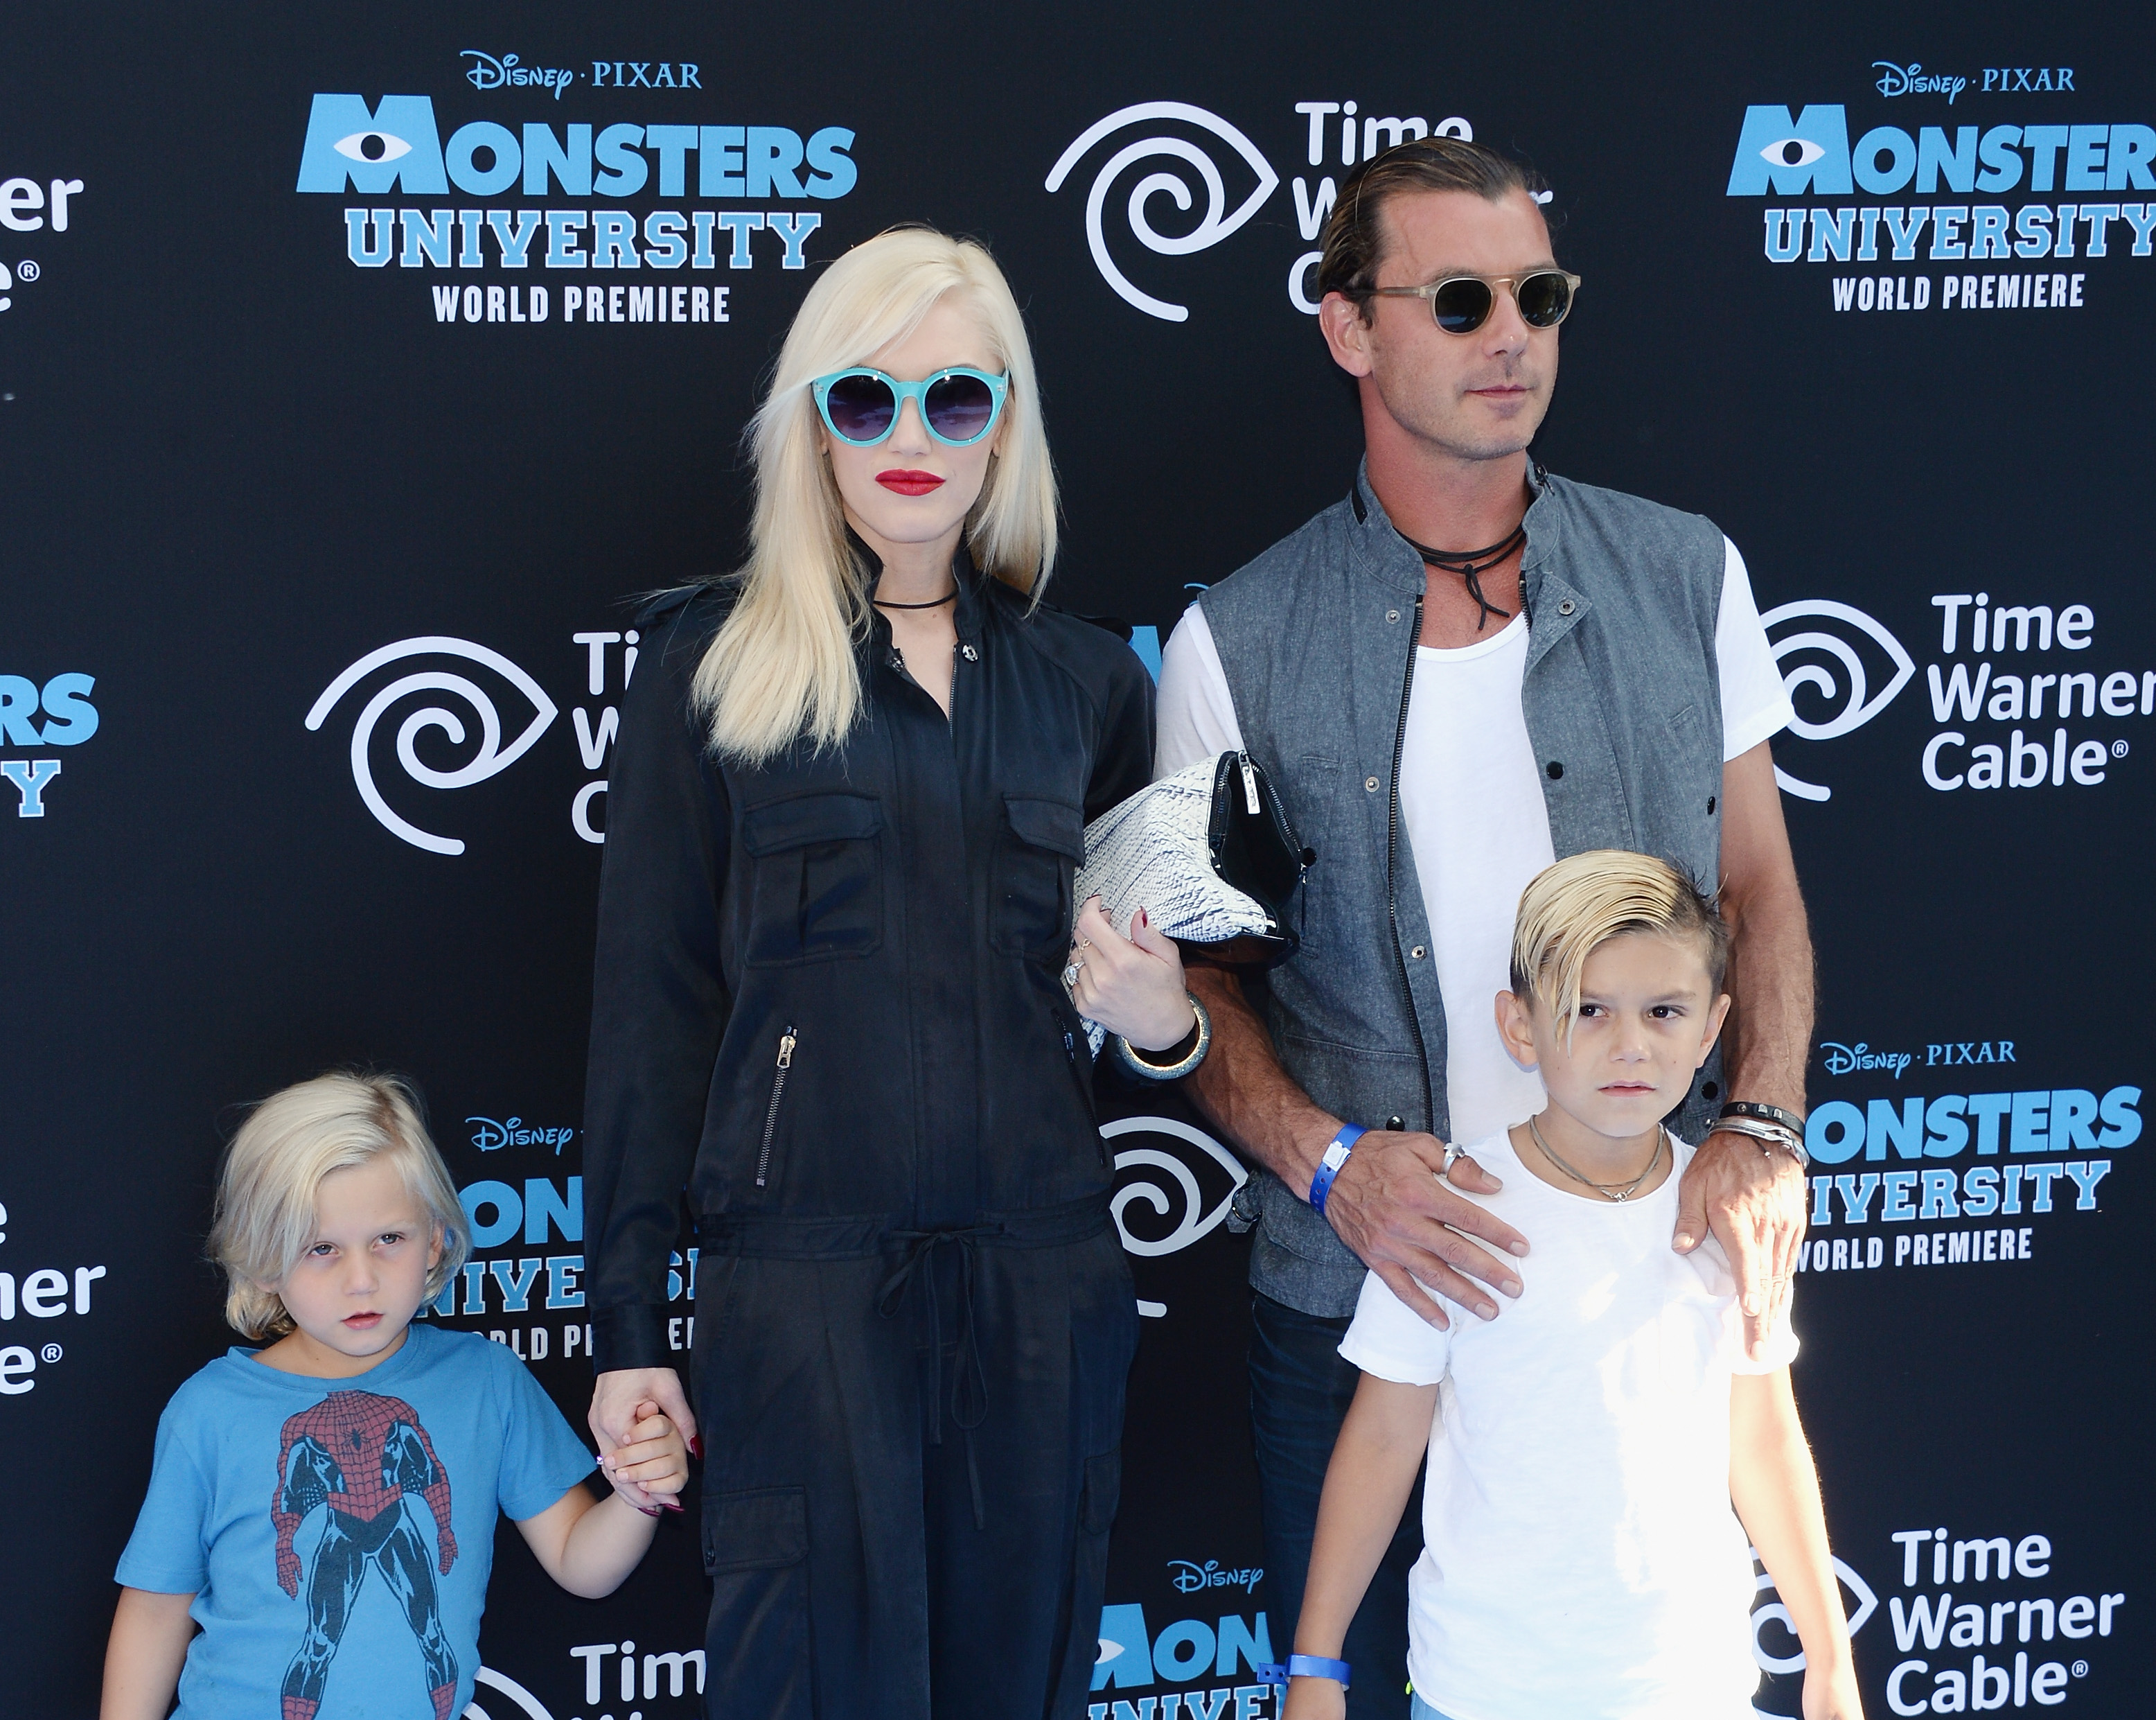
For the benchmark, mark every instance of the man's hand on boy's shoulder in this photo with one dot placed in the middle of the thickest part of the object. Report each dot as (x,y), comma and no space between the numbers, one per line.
(1753,1202)
(1391,1205)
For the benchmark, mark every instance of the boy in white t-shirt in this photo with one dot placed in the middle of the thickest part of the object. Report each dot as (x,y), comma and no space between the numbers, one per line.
(1581,1557)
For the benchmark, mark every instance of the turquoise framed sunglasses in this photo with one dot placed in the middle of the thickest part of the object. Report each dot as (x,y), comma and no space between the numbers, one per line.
(861,407)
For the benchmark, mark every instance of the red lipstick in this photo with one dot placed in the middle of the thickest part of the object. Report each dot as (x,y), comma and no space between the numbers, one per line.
(908,483)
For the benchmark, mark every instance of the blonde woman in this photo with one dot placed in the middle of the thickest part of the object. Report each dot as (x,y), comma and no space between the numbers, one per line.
(838,1004)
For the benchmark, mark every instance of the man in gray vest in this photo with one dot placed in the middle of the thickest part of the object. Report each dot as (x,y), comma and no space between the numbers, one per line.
(1462,670)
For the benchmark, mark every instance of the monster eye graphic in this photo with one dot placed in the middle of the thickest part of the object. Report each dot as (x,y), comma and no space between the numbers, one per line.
(371,146)
(1784,152)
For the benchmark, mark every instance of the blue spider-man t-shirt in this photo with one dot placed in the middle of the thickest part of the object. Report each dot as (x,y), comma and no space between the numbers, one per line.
(337,1533)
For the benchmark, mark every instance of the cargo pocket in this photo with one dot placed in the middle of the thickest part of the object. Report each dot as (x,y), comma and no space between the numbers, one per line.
(1033,873)
(758,1647)
(817,889)
(1099,1493)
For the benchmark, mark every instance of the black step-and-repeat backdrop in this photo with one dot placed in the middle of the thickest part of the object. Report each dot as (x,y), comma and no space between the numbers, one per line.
(356,366)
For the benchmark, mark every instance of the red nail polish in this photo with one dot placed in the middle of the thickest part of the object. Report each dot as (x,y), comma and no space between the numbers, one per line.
(672,1504)
(697,1448)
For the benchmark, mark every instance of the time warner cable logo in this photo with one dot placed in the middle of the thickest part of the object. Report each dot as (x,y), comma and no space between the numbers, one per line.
(491,756)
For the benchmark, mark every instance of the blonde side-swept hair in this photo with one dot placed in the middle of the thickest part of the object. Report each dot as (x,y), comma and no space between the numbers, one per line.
(1569,910)
(273,1175)
(782,665)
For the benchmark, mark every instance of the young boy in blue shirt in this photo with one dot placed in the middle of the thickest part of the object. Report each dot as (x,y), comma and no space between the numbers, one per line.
(323,1508)
(1581,1557)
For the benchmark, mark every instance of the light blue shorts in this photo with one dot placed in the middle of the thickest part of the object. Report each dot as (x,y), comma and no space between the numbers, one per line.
(1422,1710)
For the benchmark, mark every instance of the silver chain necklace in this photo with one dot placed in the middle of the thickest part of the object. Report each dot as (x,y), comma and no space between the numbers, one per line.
(1608,1191)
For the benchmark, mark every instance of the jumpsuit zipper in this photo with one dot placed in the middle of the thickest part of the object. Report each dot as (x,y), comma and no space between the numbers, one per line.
(1391,857)
(786,1042)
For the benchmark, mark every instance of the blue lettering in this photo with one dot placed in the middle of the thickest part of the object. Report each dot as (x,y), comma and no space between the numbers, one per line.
(1125,1654)
(464,144)
(2028,1132)
(773,153)
(543,1206)
(509,1214)
(1905,1130)
(832,173)
(1255,1648)
(562,1290)
(570,165)
(67,701)
(625,169)
(1809,153)
(2121,1121)
(393,146)
(1834,1132)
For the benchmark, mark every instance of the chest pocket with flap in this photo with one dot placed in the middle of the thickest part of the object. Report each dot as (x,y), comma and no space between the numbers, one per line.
(1032,911)
(817,892)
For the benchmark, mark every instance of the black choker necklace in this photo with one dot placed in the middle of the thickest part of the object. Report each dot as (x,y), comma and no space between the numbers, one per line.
(882,603)
(1470,565)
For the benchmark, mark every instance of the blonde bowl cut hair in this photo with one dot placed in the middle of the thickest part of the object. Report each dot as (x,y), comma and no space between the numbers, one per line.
(1569,911)
(268,1190)
(783,666)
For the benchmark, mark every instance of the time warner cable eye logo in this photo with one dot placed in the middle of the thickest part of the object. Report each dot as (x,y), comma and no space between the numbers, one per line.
(1831,661)
(1168,1179)
(491,756)
(1216,224)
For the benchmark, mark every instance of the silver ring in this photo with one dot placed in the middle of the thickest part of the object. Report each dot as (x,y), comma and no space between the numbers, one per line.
(1070,975)
(1451,1153)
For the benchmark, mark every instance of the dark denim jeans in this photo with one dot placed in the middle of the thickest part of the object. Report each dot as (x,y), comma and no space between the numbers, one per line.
(1301,1387)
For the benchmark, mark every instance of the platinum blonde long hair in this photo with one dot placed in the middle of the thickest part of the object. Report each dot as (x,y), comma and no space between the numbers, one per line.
(782,665)
(273,1176)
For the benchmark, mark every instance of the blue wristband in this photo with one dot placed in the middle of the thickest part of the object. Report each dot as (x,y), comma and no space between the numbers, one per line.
(1303,1667)
(1335,1155)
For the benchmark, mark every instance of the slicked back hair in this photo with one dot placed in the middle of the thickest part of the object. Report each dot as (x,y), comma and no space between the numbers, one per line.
(1354,233)
(1571,909)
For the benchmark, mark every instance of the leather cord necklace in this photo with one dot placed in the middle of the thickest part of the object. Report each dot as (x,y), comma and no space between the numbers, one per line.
(882,603)
(1471,565)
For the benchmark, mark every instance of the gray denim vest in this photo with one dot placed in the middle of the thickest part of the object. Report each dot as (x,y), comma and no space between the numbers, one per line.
(1623,704)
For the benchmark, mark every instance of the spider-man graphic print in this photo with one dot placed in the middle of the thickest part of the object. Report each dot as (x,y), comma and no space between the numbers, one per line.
(363,1457)
(311,1519)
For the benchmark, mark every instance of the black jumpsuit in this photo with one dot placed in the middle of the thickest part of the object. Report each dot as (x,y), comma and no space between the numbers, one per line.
(828,1004)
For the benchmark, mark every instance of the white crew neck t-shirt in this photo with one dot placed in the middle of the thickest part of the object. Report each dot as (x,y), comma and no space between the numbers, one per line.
(1580,1557)
(1471,806)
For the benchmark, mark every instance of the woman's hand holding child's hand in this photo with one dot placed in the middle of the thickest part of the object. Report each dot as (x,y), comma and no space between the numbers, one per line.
(653,1457)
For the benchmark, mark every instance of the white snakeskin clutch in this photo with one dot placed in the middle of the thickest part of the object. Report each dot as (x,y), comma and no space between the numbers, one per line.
(1154,851)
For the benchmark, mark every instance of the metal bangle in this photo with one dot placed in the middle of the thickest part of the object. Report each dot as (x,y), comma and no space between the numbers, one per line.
(1769,1135)
(1765,1113)
(1134,1059)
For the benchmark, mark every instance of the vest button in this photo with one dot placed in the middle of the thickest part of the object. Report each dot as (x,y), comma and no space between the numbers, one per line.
(1418,952)
(1371,783)
(1392,615)
(1555,769)
(1395,1123)
(1710,806)
(1566,606)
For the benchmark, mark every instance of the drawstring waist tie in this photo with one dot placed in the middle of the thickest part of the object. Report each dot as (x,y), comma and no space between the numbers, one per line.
(781,1238)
